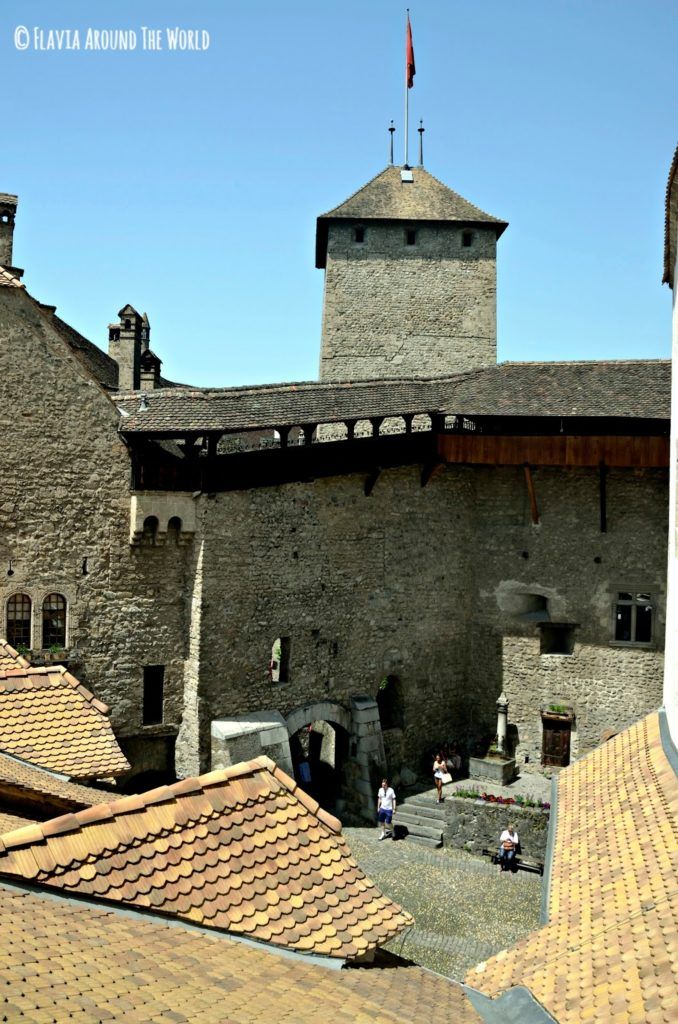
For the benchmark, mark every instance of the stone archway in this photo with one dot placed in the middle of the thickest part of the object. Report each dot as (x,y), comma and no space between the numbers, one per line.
(319,736)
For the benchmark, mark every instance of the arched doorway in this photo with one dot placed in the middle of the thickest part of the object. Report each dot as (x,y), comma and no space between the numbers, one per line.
(319,746)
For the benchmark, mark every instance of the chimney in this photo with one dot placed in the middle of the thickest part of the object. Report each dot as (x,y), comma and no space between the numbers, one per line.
(149,371)
(125,346)
(8,204)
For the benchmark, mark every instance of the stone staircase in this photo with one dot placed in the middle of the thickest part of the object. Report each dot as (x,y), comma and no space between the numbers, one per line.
(420,819)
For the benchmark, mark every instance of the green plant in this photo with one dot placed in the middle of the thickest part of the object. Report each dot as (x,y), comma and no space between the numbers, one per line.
(23,650)
(56,649)
(559,709)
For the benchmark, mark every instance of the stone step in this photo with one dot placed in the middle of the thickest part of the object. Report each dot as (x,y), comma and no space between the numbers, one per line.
(425,841)
(433,811)
(417,828)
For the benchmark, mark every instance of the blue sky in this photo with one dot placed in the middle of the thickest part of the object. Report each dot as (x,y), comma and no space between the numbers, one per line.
(188,183)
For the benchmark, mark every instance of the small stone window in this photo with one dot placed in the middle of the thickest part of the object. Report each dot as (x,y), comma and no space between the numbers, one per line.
(633,617)
(557,637)
(54,621)
(279,665)
(150,530)
(467,239)
(128,325)
(6,219)
(19,621)
(174,530)
(359,235)
(114,334)
(410,236)
(154,695)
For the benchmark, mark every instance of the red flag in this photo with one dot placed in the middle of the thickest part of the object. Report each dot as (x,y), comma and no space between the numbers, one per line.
(410,70)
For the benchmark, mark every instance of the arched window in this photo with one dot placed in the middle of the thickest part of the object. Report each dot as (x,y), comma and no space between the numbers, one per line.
(19,620)
(174,530)
(54,621)
(151,524)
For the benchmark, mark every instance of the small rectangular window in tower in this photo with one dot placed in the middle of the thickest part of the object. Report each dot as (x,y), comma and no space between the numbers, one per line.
(359,235)
(154,693)
(410,236)
(467,239)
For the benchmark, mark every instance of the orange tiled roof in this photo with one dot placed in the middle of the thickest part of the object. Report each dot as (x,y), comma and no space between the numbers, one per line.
(9,658)
(8,280)
(62,959)
(20,776)
(47,717)
(610,949)
(242,849)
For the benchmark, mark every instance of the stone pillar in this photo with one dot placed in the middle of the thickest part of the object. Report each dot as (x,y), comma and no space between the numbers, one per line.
(502,721)
(367,749)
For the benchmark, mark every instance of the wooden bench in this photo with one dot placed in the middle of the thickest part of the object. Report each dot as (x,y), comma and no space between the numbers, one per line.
(524,863)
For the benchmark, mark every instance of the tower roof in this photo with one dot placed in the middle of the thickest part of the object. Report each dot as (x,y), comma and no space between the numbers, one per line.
(387,197)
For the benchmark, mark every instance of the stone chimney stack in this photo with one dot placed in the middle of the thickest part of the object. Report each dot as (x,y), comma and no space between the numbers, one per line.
(8,204)
(150,371)
(125,345)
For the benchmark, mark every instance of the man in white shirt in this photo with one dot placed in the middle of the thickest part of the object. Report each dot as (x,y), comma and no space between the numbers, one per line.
(386,805)
(508,844)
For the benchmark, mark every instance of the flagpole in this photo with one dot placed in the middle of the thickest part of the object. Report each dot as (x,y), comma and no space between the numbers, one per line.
(407,102)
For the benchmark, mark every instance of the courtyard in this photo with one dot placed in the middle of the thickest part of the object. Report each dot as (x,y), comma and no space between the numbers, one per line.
(465,909)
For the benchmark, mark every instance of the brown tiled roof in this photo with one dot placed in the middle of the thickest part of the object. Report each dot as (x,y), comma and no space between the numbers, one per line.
(9,658)
(386,197)
(101,366)
(8,280)
(609,950)
(242,849)
(626,388)
(63,959)
(48,718)
(671,222)
(12,822)
(22,777)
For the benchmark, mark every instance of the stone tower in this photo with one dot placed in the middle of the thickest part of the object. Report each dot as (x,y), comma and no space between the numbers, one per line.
(7,215)
(410,281)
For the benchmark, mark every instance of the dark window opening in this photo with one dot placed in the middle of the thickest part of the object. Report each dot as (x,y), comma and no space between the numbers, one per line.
(633,618)
(114,334)
(154,694)
(19,621)
(150,531)
(410,236)
(128,324)
(391,703)
(174,530)
(54,621)
(557,638)
(467,239)
(279,665)
(359,235)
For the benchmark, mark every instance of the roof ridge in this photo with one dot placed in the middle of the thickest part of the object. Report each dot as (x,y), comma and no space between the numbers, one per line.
(134,802)
(9,280)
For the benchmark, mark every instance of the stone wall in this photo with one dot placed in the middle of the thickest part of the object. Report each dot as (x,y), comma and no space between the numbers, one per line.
(65,498)
(415,582)
(475,825)
(393,310)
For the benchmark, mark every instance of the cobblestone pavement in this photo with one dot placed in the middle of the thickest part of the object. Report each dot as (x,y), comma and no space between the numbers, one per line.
(465,909)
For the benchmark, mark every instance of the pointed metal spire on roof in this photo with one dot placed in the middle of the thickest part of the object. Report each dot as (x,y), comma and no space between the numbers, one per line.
(421,131)
(391,133)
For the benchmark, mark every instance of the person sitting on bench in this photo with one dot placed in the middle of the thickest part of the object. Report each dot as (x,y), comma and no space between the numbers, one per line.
(508,844)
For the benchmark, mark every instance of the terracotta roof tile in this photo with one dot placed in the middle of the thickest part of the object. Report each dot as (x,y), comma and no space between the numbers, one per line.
(8,280)
(20,776)
(609,949)
(9,658)
(62,959)
(633,389)
(235,849)
(49,719)
(12,822)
